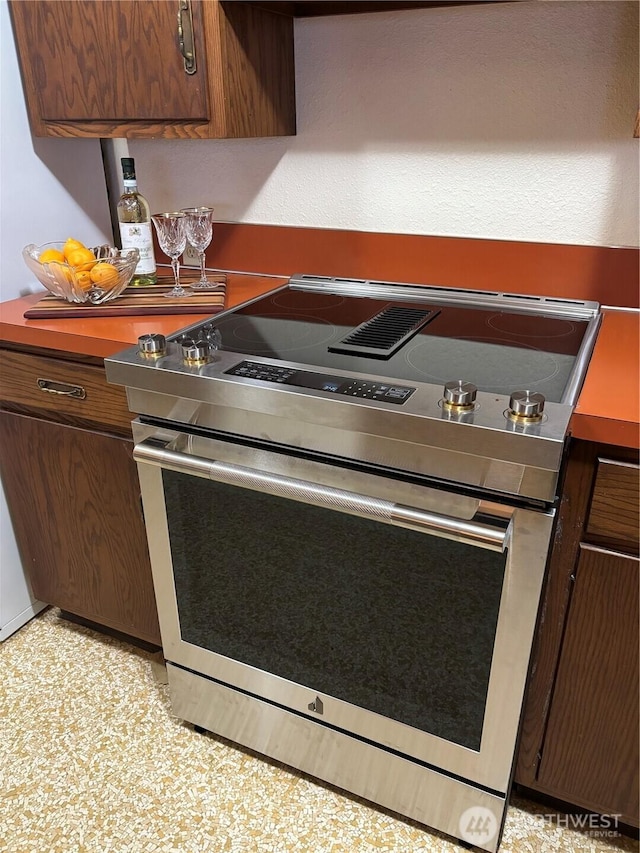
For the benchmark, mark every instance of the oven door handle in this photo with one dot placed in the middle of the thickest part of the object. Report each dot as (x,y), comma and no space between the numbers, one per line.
(481,534)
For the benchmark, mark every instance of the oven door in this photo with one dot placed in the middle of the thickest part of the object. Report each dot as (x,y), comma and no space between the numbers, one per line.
(396,612)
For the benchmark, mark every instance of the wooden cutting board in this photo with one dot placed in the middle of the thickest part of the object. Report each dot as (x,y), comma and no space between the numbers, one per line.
(136,301)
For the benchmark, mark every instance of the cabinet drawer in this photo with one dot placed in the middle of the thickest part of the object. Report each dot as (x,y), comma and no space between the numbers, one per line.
(64,391)
(615,505)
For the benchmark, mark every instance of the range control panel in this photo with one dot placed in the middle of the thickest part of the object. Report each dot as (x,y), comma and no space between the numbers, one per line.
(385,392)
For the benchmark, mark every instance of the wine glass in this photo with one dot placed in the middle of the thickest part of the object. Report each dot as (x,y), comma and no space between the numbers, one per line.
(172,237)
(199,233)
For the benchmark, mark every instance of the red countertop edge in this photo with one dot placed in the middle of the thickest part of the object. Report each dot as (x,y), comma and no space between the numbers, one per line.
(601,430)
(608,409)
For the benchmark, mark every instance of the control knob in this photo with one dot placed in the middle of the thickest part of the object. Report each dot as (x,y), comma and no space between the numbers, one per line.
(526,405)
(459,395)
(212,334)
(152,344)
(195,351)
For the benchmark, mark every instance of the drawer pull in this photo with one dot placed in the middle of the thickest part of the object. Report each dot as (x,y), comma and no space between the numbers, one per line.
(51,387)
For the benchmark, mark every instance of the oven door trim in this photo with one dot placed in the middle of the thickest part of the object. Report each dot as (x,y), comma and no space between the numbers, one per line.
(527,539)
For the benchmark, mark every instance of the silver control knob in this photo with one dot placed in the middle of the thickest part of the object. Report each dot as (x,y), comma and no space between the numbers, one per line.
(526,404)
(152,344)
(460,394)
(195,350)
(212,334)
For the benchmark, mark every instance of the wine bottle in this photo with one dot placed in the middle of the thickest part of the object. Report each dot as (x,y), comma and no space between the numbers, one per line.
(134,218)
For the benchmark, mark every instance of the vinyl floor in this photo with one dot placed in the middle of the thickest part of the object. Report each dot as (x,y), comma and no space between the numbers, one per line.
(93,761)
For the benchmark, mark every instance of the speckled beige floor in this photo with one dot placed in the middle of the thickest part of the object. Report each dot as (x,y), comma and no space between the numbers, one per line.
(92,760)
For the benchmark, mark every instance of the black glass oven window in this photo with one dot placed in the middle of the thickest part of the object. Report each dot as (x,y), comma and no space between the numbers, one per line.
(391,620)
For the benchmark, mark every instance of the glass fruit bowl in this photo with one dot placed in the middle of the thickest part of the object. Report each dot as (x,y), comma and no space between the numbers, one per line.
(96,280)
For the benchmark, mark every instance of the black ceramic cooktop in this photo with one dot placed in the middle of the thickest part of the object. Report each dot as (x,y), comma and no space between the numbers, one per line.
(499,351)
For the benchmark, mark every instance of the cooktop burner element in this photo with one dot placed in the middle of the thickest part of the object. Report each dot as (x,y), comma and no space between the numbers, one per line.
(273,334)
(521,326)
(314,302)
(491,365)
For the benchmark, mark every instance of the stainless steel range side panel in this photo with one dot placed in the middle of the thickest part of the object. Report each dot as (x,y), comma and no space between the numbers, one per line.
(396,783)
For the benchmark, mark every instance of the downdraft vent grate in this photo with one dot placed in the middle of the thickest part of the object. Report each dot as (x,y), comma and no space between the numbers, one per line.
(385,333)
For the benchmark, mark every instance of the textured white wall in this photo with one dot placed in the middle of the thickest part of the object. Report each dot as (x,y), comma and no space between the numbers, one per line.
(505,121)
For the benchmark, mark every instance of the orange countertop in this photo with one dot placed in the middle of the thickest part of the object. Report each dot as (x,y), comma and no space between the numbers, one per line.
(608,409)
(105,336)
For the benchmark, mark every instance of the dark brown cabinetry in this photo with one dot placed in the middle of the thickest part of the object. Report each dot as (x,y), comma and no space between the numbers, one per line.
(116,69)
(592,732)
(579,738)
(72,490)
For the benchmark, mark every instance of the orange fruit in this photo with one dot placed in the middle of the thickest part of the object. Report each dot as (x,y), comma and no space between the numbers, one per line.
(104,274)
(61,272)
(70,246)
(50,255)
(83,280)
(81,259)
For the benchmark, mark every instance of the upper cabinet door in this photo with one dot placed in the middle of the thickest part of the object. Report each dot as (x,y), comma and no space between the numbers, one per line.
(117,68)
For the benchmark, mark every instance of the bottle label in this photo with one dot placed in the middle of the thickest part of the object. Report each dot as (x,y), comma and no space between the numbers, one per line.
(137,235)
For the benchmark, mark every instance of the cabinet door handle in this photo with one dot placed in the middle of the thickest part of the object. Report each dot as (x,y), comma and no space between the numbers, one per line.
(63,388)
(185,36)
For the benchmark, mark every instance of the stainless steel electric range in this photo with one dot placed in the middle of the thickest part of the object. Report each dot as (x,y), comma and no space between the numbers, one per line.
(349,490)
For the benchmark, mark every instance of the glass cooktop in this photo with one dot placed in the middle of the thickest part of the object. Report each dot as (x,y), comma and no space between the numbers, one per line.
(499,351)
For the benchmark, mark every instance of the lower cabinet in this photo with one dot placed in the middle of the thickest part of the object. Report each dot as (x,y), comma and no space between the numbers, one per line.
(592,734)
(580,741)
(73,493)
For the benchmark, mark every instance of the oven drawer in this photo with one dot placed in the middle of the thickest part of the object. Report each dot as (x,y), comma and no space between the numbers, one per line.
(63,391)
(615,505)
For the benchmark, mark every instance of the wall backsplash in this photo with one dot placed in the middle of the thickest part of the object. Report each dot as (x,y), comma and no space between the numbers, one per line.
(507,121)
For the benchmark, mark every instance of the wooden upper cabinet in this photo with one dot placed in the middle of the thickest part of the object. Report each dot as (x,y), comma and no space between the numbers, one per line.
(115,69)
